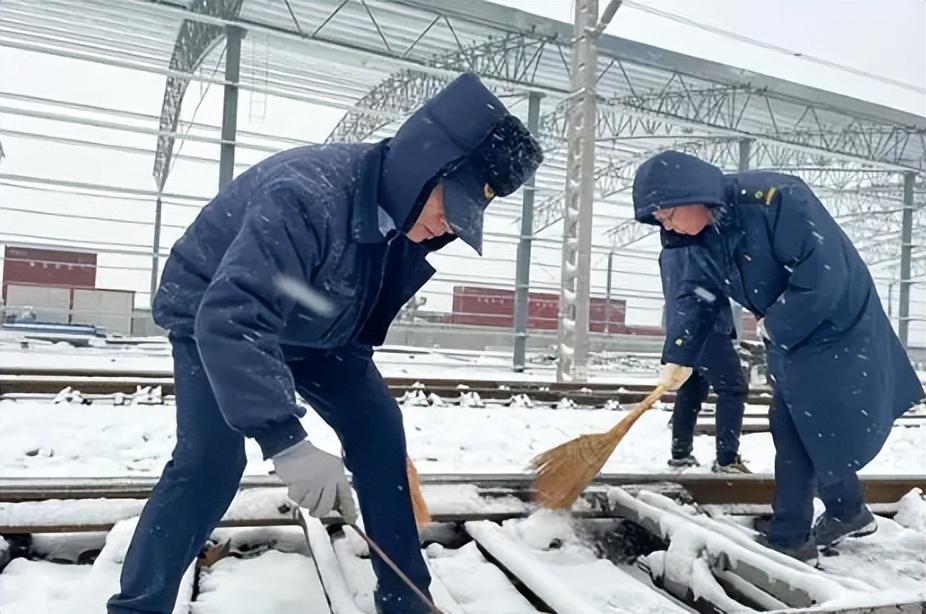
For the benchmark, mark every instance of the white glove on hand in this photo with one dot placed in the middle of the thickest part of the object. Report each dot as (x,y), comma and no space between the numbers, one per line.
(673,375)
(316,480)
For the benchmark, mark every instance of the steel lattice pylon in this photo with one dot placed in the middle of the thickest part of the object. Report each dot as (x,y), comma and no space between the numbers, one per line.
(579,196)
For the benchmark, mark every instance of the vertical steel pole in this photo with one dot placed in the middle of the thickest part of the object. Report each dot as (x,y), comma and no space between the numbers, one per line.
(890,300)
(577,217)
(156,246)
(745,152)
(233,36)
(523,266)
(607,303)
(906,255)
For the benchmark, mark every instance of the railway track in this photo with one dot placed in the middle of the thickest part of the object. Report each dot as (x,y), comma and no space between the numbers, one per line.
(508,494)
(611,556)
(585,394)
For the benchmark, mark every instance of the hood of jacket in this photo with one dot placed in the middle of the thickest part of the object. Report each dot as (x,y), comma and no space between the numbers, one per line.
(675,179)
(435,140)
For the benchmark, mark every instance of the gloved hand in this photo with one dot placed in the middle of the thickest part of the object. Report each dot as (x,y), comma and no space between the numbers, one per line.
(673,375)
(316,480)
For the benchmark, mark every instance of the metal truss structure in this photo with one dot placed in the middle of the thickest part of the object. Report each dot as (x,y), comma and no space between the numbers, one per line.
(379,59)
(194,42)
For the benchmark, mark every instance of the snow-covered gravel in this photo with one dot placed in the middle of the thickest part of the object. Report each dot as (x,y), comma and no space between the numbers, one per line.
(42,439)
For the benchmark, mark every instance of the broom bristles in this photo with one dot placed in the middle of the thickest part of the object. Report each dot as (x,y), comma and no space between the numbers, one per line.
(563,472)
(419,505)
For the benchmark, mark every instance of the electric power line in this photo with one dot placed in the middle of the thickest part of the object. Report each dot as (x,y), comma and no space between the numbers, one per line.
(771,46)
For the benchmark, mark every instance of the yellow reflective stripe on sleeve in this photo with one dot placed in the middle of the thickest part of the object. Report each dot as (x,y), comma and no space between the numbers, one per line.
(770,195)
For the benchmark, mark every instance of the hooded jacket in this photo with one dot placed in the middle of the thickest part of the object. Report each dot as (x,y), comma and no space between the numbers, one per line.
(677,252)
(836,362)
(290,257)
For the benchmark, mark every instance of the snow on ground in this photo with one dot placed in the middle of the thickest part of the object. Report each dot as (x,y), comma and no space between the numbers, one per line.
(545,552)
(911,512)
(248,504)
(893,559)
(474,583)
(44,439)
(393,361)
(886,567)
(271,582)
(28,587)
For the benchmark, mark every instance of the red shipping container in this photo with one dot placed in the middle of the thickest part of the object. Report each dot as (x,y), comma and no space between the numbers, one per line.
(48,267)
(483,306)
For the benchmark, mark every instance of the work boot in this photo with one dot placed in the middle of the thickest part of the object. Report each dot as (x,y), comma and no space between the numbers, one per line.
(737,466)
(829,531)
(683,461)
(806,552)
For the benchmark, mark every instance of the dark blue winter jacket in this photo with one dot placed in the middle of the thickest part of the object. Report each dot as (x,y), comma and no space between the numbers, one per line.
(310,216)
(836,362)
(677,252)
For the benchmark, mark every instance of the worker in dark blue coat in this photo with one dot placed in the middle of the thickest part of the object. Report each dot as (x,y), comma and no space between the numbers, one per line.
(841,376)
(282,285)
(718,367)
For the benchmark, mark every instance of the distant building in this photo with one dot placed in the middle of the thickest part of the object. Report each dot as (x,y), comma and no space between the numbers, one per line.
(59,286)
(494,307)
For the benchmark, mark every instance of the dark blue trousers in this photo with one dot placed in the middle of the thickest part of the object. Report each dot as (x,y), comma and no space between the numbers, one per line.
(795,483)
(204,471)
(720,367)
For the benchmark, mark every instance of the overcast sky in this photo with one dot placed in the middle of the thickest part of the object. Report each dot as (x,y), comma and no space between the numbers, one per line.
(886,38)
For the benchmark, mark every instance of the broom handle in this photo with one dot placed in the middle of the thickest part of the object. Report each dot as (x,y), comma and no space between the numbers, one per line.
(388,561)
(641,407)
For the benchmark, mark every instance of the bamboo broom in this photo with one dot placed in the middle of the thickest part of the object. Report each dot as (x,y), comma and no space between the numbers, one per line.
(563,472)
(419,505)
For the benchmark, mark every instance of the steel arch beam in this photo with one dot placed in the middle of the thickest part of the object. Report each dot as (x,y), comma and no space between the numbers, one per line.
(194,42)
(721,110)
(718,111)
(705,104)
(510,58)
(403,91)
(818,171)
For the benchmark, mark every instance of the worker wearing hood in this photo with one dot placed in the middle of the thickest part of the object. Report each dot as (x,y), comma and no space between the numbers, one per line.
(840,374)
(282,285)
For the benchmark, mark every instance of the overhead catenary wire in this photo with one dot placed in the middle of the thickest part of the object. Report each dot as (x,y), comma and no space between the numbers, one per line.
(639,6)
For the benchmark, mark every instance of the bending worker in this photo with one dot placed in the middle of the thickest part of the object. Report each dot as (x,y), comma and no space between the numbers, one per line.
(282,285)
(841,376)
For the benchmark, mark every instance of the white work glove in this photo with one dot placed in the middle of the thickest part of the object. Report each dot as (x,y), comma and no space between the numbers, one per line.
(673,375)
(316,480)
